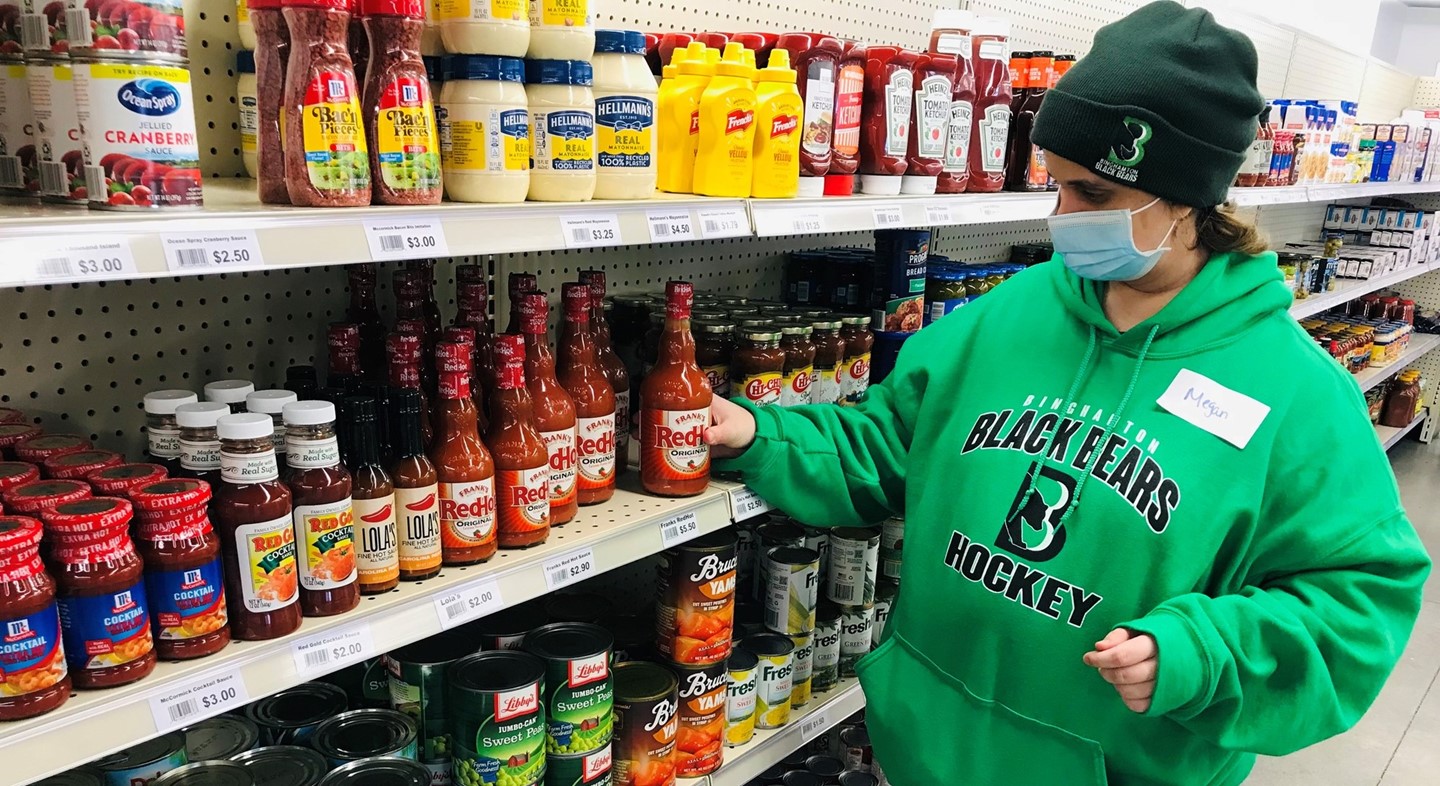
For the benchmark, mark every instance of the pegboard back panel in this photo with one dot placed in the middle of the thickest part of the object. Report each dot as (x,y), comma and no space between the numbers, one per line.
(902,22)
(1290,223)
(213,40)
(1321,70)
(978,243)
(1427,92)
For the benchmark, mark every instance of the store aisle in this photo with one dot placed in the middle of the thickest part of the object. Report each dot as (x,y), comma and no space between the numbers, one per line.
(1395,743)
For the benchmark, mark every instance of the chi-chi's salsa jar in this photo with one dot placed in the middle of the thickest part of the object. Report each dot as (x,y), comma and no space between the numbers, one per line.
(103,613)
(32,662)
(757,367)
(182,561)
(714,343)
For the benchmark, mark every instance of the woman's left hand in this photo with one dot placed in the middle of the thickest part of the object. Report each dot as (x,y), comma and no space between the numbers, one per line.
(1130,662)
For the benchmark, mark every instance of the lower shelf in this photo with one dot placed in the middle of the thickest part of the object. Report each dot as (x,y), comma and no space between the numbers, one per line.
(1391,436)
(824,711)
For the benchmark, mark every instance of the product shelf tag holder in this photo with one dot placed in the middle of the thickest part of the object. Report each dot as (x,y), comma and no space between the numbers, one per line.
(406,239)
(331,650)
(679,528)
(569,568)
(202,697)
(670,226)
(724,222)
(202,252)
(746,504)
(591,231)
(469,602)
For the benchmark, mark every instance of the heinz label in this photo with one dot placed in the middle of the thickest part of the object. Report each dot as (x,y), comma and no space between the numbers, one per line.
(523,499)
(467,513)
(560,448)
(673,442)
(596,448)
(417,524)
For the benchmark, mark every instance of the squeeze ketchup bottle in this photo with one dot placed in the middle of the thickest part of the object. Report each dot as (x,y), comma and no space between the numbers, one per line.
(554,411)
(849,105)
(522,468)
(934,76)
(991,129)
(885,129)
(675,407)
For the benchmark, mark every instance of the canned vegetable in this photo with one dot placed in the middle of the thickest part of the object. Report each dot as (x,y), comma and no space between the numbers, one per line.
(800,678)
(290,716)
(773,684)
(892,541)
(825,647)
(854,559)
(363,734)
(506,629)
(741,673)
(591,769)
(207,773)
(497,719)
(283,765)
(695,616)
(379,771)
(145,762)
(579,696)
(855,625)
(417,688)
(792,576)
(221,737)
(885,592)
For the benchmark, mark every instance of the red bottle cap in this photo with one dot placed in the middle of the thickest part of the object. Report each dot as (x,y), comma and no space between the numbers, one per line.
(33,498)
(839,185)
(414,9)
(679,298)
(534,313)
(522,282)
(18,534)
(577,298)
(343,335)
(171,495)
(264,5)
(118,480)
(410,327)
(596,280)
(459,334)
(714,40)
(75,466)
(17,473)
(469,274)
(403,347)
(363,273)
(510,361)
(9,415)
(472,296)
(89,515)
(408,285)
(452,358)
(12,434)
(49,446)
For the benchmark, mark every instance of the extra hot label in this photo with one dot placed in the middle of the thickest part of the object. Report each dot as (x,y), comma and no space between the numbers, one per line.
(673,443)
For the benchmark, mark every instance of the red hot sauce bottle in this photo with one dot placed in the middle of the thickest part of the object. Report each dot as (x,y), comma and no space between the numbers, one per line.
(675,407)
(594,398)
(522,466)
(554,411)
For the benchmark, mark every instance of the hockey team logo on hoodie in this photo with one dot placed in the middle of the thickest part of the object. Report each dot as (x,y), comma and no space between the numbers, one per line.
(1032,528)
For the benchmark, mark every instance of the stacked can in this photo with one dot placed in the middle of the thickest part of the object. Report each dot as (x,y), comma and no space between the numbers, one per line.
(417,689)
(892,539)
(694,623)
(646,725)
(577,694)
(792,586)
(850,583)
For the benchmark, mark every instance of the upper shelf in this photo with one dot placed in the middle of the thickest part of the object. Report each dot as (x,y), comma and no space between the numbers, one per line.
(43,244)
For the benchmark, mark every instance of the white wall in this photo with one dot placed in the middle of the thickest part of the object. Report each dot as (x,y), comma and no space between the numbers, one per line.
(1408,38)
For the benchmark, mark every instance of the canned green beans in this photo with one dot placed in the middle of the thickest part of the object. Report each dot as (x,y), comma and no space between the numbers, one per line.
(854,558)
(379,771)
(802,664)
(579,696)
(855,625)
(892,540)
(741,672)
(790,589)
(825,654)
(497,719)
(591,769)
(773,684)
(362,734)
(417,688)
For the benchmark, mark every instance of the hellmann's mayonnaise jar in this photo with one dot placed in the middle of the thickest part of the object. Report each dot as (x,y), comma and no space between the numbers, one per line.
(562,130)
(560,30)
(625,93)
(484,121)
(485,27)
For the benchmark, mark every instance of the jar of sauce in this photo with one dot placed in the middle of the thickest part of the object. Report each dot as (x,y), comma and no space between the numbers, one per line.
(553,409)
(272,403)
(934,80)
(849,103)
(12,434)
(75,466)
(117,481)
(816,59)
(951,35)
(417,494)
(858,343)
(37,679)
(799,364)
(40,449)
(584,379)
(33,499)
(522,467)
(162,435)
(675,407)
(992,105)
(757,366)
(183,579)
(16,473)
(377,559)
(714,343)
(323,512)
(889,97)
(257,534)
(616,372)
(101,590)
(230,392)
(199,440)
(465,468)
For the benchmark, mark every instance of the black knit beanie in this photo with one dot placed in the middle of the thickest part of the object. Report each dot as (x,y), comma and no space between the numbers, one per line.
(1165,102)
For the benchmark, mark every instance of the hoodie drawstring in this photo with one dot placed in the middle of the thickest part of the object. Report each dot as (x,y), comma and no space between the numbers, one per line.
(1112,422)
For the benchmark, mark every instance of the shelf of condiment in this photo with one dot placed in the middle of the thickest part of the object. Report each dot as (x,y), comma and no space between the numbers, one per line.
(1420,344)
(769,747)
(1350,289)
(1390,436)
(91,724)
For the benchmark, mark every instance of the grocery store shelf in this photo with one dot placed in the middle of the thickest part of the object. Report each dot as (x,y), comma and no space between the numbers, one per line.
(1325,192)
(1347,289)
(863,213)
(767,749)
(1390,436)
(1420,343)
(95,723)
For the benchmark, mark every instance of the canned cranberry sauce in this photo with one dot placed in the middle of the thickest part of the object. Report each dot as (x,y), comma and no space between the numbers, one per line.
(151,28)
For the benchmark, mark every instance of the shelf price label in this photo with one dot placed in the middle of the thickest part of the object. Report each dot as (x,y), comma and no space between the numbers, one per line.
(670,227)
(329,651)
(746,504)
(807,223)
(938,213)
(813,725)
(199,252)
(724,222)
(888,216)
(591,231)
(86,259)
(679,528)
(469,602)
(201,697)
(570,568)
(406,239)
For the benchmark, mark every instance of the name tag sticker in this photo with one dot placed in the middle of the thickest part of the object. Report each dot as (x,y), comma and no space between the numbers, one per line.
(1209,405)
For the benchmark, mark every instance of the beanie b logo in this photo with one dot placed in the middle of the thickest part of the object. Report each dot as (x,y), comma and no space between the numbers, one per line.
(1128,147)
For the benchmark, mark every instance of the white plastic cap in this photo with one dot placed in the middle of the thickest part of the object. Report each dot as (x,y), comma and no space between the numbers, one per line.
(881,185)
(811,187)
(245,425)
(164,402)
(952,19)
(991,25)
(270,402)
(200,415)
(920,185)
(229,391)
(309,413)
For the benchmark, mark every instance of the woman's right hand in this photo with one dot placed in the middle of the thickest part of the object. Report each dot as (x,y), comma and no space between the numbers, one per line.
(732,431)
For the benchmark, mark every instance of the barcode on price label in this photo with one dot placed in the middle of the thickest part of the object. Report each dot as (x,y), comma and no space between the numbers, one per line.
(670,227)
(938,214)
(198,251)
(408,239)
(724,222)
(331,650)
(572,567)
(470,602)
(887,216)
(807,223)
(679,528)
(813,724)
(202,697)
(746,504)
(590,231)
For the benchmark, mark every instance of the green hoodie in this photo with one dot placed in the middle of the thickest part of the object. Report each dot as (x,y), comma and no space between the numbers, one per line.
(1280,581)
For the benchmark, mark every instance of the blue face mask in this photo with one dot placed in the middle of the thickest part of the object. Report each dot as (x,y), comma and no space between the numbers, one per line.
(1100,245)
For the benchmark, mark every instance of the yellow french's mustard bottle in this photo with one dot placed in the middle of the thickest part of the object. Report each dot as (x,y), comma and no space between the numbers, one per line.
(723,156)
(678,109)
(778,109)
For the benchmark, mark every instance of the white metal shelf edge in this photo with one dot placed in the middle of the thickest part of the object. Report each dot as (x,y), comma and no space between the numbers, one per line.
(1351,289)
(95,723)
(1420,344)
(1390,436)
(769,747)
